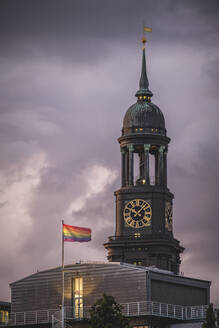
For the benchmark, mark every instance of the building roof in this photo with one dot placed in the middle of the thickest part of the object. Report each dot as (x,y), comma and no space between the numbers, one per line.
(88,265)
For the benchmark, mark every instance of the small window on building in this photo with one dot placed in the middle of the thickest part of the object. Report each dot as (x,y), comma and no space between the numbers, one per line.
(78,297)
(137,235)
(137,262)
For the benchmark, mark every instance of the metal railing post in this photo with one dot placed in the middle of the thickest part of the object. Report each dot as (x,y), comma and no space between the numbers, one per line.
(36,317)
(192,313)
(63,317)
(160,309)
(24,317)
(138,308)
(53,320)
(202,312)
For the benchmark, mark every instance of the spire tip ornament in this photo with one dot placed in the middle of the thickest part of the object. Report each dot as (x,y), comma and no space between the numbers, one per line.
(144,94)
(144,40)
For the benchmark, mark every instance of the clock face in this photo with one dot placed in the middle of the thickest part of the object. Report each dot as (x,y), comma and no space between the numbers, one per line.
(137,213)
(168,216)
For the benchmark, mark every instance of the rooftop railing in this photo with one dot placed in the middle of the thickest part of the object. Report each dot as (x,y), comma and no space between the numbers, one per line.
(134,309)
(30,317)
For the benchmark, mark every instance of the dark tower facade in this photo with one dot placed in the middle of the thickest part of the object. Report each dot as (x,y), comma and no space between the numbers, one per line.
(144,223)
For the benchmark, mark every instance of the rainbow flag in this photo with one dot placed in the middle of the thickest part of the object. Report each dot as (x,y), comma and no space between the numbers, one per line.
(71,233)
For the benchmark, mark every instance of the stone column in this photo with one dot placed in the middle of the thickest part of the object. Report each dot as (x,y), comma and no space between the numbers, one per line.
(131,168)
(141,165)
(126,167)
(123,166)
(146,163)
(165,167)
(156,168)
(161,165)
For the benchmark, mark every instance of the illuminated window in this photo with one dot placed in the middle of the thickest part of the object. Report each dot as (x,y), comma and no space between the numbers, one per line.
(140,327)
(152,130)
(78,297)
(3,316)
(137,235)
(137,262)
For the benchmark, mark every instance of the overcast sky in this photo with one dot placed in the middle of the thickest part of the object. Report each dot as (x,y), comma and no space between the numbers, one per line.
(68,73)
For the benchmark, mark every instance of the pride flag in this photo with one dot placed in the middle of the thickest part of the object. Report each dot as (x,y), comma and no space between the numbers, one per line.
(71,233)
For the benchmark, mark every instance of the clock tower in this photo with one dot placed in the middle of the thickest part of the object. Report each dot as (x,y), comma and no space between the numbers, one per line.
(144,220)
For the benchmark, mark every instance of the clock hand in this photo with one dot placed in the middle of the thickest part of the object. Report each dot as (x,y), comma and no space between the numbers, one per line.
(132,210)
(137,213)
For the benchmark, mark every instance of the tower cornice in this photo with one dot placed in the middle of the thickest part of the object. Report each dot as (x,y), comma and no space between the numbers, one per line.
(146,138)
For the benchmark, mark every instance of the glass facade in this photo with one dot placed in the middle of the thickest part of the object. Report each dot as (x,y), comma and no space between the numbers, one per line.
(78,297)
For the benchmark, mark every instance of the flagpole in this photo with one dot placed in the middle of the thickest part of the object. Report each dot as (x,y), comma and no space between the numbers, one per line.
(63,279)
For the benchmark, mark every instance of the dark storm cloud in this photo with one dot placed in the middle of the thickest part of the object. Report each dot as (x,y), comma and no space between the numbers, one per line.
(83,30)
(69,70)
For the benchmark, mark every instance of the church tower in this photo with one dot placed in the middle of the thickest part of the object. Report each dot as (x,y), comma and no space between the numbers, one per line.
(144,223)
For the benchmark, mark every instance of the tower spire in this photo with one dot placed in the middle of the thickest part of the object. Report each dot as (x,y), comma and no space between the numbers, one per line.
(144,93)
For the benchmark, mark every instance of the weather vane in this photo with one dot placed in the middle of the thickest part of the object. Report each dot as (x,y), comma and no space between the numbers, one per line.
(144,40)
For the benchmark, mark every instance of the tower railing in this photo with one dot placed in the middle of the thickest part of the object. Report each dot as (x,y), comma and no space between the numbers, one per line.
(141,237)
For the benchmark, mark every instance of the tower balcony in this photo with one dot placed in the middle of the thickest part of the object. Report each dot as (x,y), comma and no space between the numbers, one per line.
(159,241)
(138,237)
(159,250)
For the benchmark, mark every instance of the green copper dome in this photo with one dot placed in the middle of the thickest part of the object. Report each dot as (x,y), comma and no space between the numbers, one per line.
(144,116)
